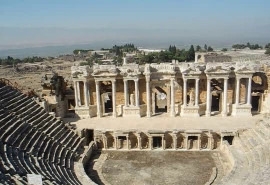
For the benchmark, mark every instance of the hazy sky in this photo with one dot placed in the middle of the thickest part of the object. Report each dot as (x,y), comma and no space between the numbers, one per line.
(26,23)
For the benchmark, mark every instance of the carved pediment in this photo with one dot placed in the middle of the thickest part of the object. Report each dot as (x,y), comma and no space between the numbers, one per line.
(218,68)
(191,69)
(244,67)
(105,70)
(131,70)
(163,68)
(80,71)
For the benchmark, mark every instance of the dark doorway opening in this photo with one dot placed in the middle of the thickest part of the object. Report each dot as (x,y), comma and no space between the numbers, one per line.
(160,100)
(122,141)
(71,103)
(108,104)
(89,136)
(191,141)
(255,103)
(157,142)
(229,139)
(215,102)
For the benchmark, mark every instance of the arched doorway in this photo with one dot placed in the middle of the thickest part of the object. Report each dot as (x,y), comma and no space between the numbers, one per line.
(259,85)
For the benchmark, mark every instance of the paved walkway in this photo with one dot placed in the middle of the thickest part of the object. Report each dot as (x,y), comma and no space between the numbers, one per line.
(163,122)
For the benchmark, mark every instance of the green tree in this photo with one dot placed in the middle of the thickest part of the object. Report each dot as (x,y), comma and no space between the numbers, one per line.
(205,47)
(210,49)
(191,53)
(224,49)
(198,48)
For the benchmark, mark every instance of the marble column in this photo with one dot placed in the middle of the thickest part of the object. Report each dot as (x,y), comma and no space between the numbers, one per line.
(225,97)
(114,97)
(172,98)
(139,142)
(208,98)
(185,92)
(249,91)
(126,93)
(86,94)
(199,142)
(104,142)
(209,142)
(186,142)
(98,99)
(163,143)
(175,141)
(137,93)
(151,143)
(76,94)
(116,142)
(127,142)
(148,97)
(237,91)
(197,88)
(79,93)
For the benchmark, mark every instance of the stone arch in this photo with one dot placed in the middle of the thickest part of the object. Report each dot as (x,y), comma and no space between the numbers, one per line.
(180,141)
(258,87)
(204,141)
(133,140)
(216,140)
(110,140)
(144,141)
(168,140)
(99,142)
(259,82)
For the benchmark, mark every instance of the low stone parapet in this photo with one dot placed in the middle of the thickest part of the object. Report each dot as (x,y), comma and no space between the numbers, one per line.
(131,111)
(241,110)
(79,166)
(190,111)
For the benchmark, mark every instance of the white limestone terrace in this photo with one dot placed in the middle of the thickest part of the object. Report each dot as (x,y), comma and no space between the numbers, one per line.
(163,122)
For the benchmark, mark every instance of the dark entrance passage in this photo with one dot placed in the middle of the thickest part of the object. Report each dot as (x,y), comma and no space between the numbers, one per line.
(157,142)
(160,100)
(122,142)
(255,103)
(71,104)
(192,141)
(108,104)
(215,102)
(89,135)
(229,139)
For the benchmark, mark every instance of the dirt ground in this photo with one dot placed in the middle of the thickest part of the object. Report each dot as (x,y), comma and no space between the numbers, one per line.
(156,167)
(29,80)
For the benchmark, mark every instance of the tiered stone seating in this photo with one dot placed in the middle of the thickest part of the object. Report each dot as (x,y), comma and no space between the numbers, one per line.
(33,142)
(251,155)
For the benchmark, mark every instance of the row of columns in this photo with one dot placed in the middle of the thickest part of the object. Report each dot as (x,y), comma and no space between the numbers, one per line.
(77,93)
(126,93)
(225,94)
(172,90)
(99,114)
(163,142)
(248,90)
(197,80)
(209,97)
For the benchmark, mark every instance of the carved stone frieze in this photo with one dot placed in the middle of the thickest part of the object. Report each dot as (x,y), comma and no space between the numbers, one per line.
(105,70)
(80,71)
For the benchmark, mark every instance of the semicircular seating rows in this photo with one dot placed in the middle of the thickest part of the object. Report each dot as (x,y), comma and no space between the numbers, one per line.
(251,156)
(34,142)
